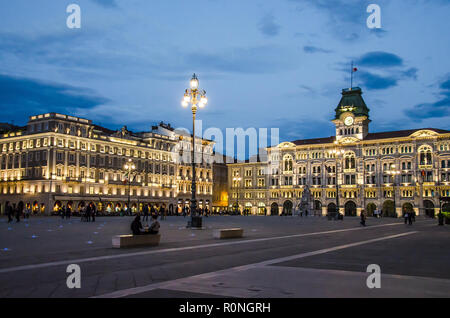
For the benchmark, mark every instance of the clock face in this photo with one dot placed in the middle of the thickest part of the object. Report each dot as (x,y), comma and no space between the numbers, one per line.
(348,121)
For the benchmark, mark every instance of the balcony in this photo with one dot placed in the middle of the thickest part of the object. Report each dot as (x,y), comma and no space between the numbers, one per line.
(73,179)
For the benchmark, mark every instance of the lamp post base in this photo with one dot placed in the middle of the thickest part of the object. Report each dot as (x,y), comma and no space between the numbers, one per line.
(195,222)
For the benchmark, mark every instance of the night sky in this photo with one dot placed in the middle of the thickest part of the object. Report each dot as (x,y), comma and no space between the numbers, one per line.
(263,63)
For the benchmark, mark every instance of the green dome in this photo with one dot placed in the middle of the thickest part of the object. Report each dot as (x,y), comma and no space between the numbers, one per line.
(352,101)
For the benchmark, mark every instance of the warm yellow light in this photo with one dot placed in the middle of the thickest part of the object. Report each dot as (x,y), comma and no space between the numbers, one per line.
(204,100)
(194,82)
(126,167)
(184,104)
(187,98)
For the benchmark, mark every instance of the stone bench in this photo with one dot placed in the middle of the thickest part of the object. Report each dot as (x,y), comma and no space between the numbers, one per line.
(228,233)
(121,241)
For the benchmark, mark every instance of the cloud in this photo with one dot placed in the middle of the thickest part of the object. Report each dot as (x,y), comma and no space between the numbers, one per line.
(438,109)
(310,128)
(346,18)
(380,70)
(375,82)
(380,60)
(268,27)
(255,60)
(313,49)
(25,96)
(106,3)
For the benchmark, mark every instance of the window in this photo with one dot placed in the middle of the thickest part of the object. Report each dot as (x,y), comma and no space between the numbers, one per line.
(425,156)
(350,179)
(350,161)
(288,163)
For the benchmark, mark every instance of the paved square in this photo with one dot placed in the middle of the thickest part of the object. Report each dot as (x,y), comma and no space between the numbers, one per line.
(278,257)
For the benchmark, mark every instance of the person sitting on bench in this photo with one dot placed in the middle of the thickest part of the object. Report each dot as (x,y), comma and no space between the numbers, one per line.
(154,228)
(136,225)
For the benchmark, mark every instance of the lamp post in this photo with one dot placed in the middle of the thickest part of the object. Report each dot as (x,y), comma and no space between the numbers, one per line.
(238,180)
(129,167)
(197,98)
(394,172)
(337,153)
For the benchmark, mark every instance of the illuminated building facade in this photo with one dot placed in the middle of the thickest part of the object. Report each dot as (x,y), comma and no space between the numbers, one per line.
(391,172)
(59,160)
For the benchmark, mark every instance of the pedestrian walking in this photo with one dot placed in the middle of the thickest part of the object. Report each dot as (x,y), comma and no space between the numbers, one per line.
(17,212)
(68,212)
(406,217)
(410,218)
(363,218)
(9,212)
(184,211)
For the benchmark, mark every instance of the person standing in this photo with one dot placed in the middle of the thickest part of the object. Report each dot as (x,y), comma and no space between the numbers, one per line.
(28,211)
(145,211)
(68,212)
(83,213)
(406,216)
(88,213)
(184,211)
(162,210)
(93,212)
(152,210)
(16,212)
(410,218)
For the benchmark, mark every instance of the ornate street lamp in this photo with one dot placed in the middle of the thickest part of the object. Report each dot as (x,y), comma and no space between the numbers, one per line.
(337,153)
(238,181)
(129,167)
(197,98)
(394,172)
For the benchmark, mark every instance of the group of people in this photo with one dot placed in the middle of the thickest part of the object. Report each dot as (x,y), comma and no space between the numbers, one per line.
(65,212)
(13,211)
(138,229)
(409,217)
(200,211)
(88,213)
(152,211)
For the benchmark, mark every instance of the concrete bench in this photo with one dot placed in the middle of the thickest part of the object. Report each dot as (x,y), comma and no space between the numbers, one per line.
(121,241)
(228,233)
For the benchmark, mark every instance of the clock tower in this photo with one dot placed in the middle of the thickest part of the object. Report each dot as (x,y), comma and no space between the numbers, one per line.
(352,116)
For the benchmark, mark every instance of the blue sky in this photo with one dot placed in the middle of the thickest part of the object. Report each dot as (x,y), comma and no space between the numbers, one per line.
(263,63)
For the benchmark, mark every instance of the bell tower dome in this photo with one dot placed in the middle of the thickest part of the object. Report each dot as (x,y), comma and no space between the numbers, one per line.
(352,116)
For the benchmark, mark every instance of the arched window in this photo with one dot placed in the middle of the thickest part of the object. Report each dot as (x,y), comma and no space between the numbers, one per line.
(425,155)
(350,161)
(288,164)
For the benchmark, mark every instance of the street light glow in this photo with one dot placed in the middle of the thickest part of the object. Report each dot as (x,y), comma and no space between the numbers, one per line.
(194,82)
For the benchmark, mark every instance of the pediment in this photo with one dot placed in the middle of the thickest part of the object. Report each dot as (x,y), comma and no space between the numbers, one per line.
(424,133)
(286,145)
(349,140)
